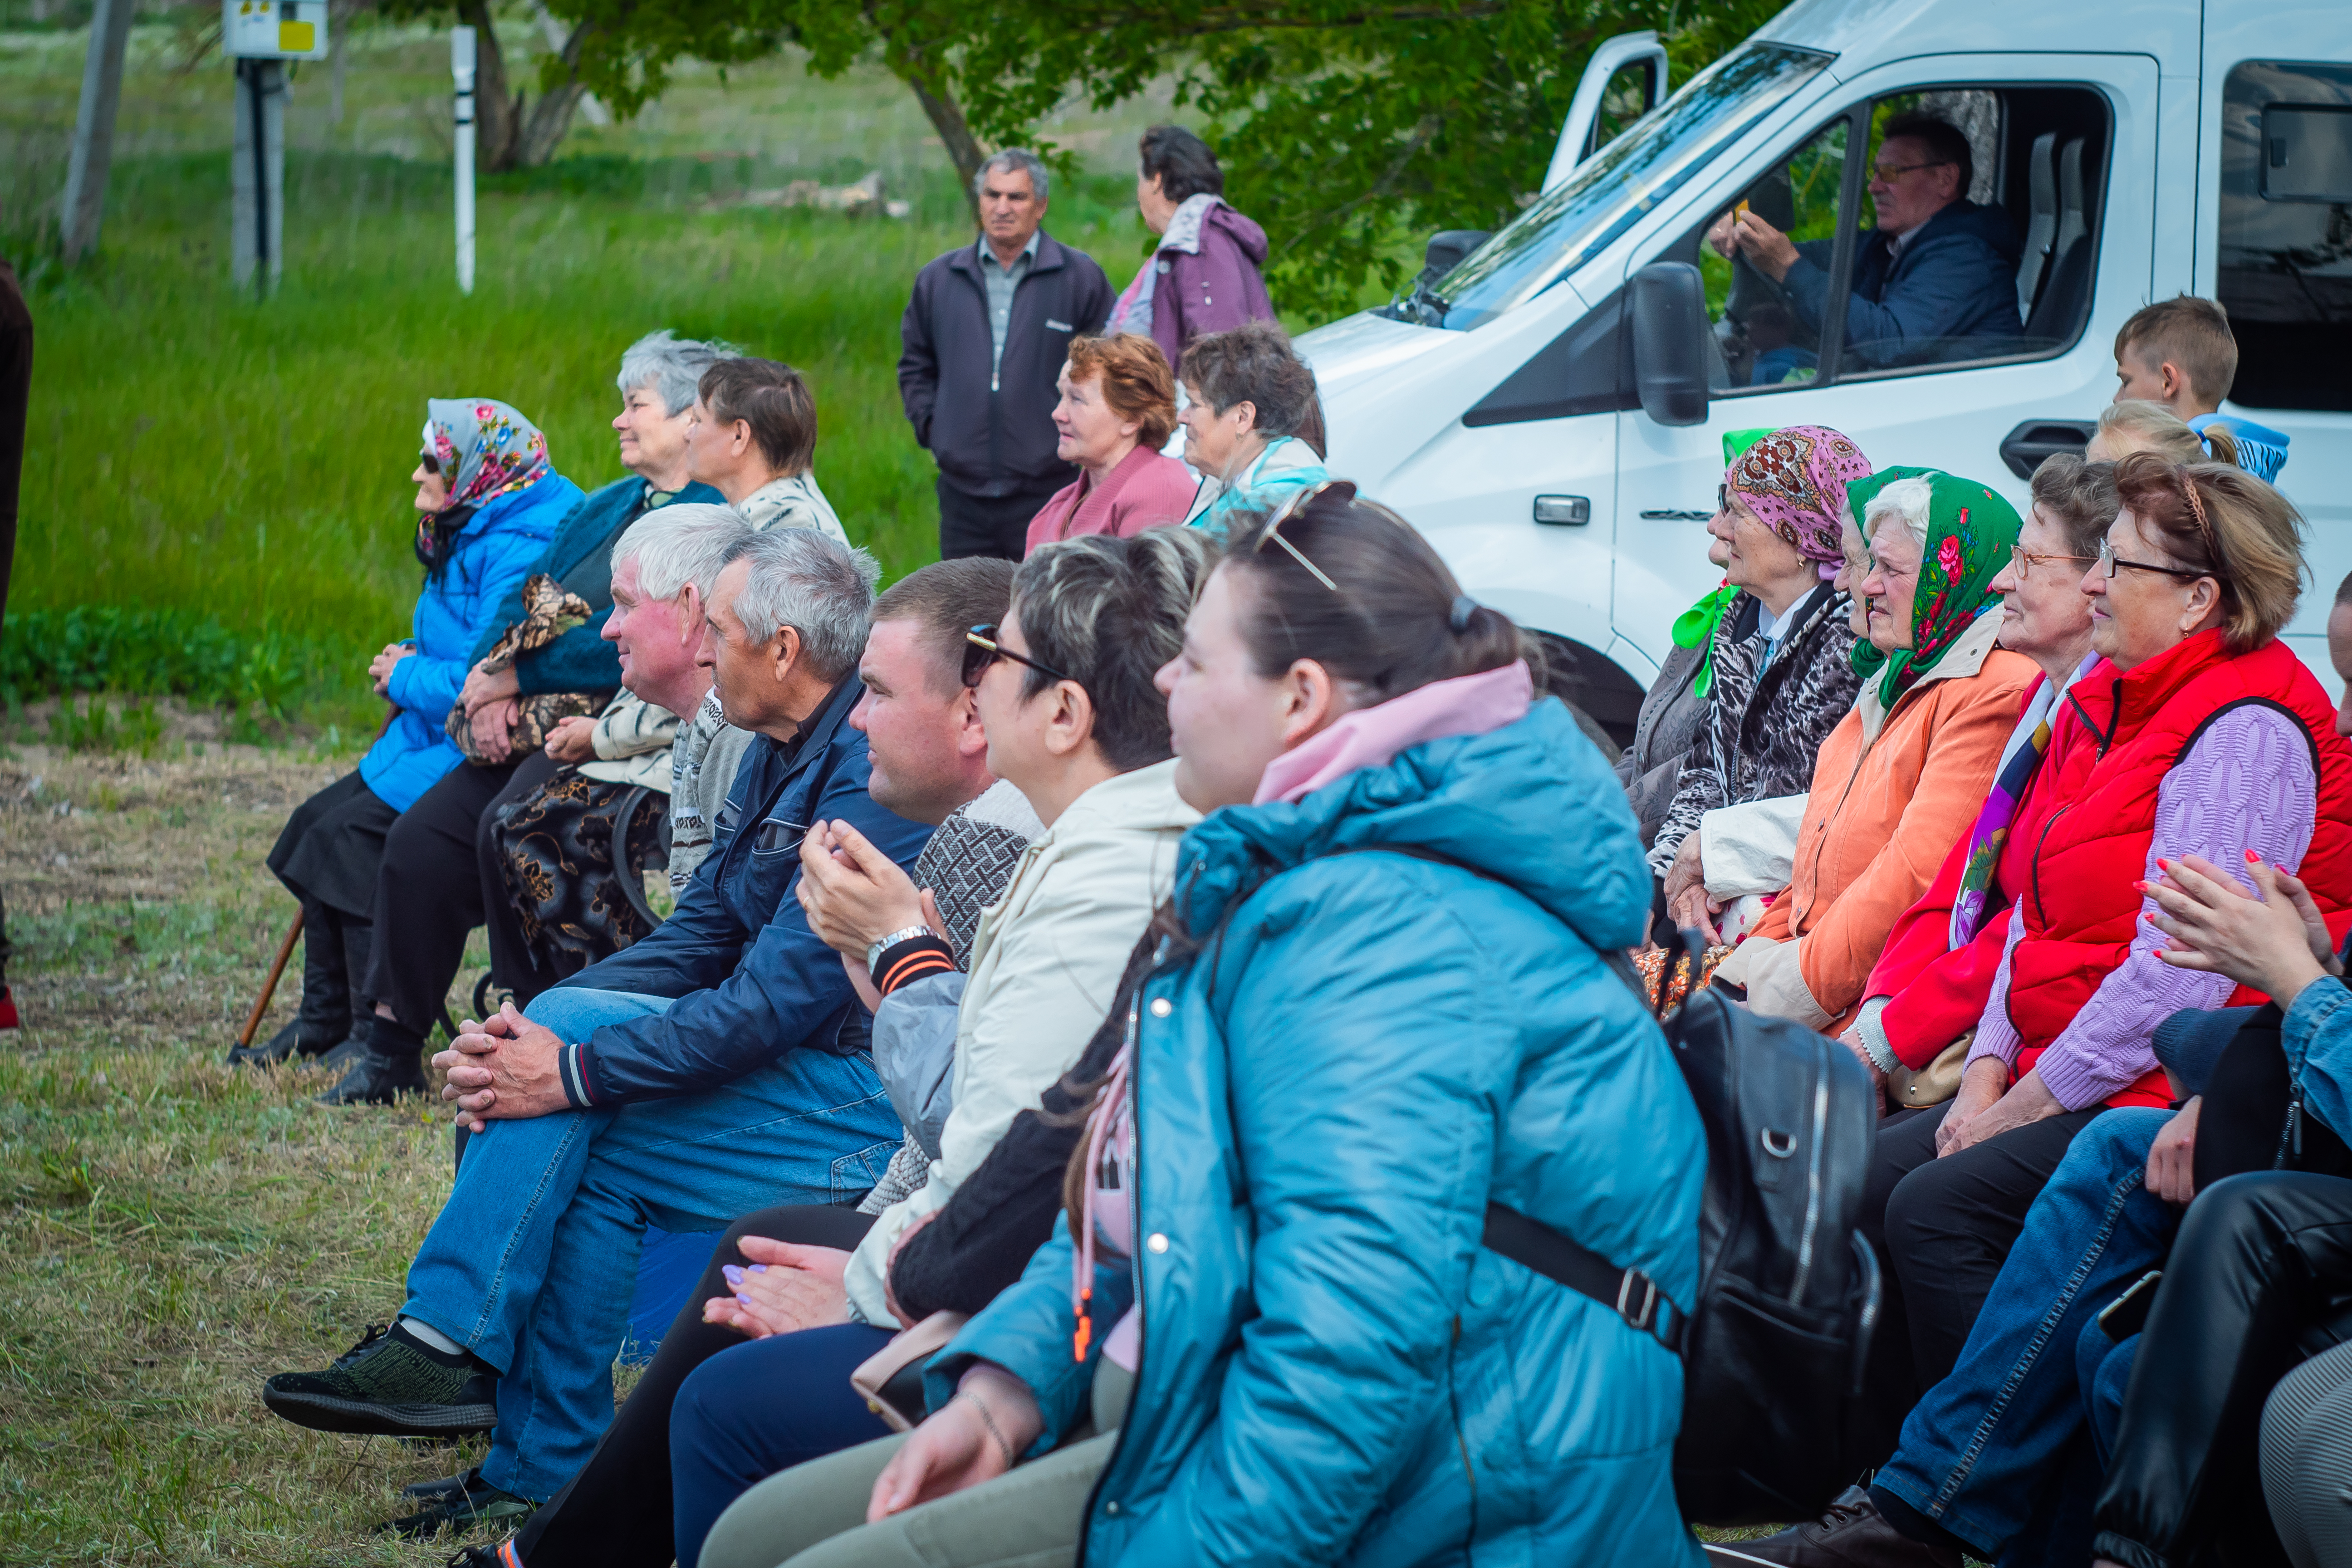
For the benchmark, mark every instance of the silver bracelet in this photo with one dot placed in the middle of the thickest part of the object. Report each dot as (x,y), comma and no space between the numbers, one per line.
(875,950)
(988,1421)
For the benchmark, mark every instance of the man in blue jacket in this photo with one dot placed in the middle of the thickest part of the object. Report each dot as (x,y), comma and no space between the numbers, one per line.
(429,895)
(718,1065)
(1936,280)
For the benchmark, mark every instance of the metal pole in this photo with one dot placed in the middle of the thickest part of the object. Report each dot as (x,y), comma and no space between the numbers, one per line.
(252,72)
(93,143)
(461,68)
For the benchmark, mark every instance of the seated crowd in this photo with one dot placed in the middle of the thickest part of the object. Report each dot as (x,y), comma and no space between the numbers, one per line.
(1034,990)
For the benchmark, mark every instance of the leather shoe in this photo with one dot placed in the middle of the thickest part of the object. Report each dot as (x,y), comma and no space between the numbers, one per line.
(1851,1535)
(377,1079)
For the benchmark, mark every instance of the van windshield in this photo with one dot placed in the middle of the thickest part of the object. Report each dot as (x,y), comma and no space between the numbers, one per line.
(1579,217)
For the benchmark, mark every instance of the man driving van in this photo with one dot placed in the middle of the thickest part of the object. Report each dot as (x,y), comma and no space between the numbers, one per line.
(1938,268)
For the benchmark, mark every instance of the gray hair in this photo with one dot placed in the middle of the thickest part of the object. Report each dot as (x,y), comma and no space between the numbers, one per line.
(679,546)
(1016,158)
(671,366)
(816,585)
(1907,502)
(1108,612)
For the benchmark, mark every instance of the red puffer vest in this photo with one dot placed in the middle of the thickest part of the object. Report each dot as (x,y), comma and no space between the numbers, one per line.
(2081,907)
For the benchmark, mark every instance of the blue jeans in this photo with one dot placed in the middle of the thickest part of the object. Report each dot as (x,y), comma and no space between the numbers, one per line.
(1982,1449)
(564,1200)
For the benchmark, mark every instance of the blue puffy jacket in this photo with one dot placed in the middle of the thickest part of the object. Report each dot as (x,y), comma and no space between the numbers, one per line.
(489,555)
(1367,1048)
(1956,279)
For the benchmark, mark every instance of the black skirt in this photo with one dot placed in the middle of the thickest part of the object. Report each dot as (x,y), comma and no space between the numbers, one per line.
(333,844)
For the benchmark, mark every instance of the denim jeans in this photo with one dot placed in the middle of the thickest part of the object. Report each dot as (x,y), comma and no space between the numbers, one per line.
(532,1260)
(1984,1448)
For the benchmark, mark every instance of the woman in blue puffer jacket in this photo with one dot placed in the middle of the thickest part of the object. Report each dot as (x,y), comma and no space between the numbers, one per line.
(488,501)
(1275,1289)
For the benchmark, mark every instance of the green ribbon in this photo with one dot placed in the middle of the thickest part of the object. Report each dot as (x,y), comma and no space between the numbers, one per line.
(1695,627)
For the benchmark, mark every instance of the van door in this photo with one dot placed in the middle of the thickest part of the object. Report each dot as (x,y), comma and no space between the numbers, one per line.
(2272,249)
(2063,156)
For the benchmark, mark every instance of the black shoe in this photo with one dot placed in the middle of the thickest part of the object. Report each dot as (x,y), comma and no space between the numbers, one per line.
(345,1054)
(269,1053)
(473,1502)
(389,1384)
(437,1488)
(477,1557)
(377,1079)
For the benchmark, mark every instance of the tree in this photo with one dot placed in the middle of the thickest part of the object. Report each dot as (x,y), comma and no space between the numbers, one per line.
(512,132)
(1344,126)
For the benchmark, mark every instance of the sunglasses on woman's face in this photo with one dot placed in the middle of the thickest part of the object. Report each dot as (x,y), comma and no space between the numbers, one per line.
(432,464)
(981,649)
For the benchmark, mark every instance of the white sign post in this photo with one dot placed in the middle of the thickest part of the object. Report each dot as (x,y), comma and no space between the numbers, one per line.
(260,35)
(461,69)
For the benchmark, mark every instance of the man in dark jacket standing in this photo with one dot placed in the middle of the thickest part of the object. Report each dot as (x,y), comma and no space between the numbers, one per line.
(1936,280)
(985,338)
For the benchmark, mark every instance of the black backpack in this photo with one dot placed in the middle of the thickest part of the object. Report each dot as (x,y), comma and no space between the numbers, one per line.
(1775,1347)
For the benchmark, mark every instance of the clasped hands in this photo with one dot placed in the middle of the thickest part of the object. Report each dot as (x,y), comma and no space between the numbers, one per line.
(503,1069)
(380,666)
(491,701)
(855,895)
(1688,903)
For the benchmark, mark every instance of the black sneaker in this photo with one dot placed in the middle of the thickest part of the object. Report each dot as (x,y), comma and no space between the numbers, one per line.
(484,1557)
(437,1488)
(377,1079)
(472,1502)
(389,1384)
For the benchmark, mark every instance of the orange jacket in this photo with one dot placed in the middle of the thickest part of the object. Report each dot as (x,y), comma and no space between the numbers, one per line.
(1892,792)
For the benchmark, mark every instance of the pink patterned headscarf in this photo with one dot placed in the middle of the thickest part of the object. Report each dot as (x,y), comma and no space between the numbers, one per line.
(1794,480)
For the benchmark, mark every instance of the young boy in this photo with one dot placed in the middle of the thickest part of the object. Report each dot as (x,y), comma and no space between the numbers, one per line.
(2179,353)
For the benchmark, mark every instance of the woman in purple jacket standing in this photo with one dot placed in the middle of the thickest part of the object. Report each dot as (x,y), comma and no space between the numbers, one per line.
(1202,277)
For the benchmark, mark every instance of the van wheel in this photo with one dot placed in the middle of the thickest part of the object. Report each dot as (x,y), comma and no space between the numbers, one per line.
(1603,697)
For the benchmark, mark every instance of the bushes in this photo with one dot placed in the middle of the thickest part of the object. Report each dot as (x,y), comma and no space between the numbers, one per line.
(167,653)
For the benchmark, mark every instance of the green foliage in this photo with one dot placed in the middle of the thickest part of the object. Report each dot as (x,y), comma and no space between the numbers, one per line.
(156,652)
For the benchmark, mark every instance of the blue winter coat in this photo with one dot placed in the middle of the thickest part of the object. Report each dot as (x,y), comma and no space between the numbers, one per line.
(581,660)
(1957,280)
(1366,1050)
(489,555)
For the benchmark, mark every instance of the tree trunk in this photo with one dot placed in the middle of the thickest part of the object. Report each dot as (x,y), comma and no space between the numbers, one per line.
(940,106)
(93,143)
(498,117)
(550,117)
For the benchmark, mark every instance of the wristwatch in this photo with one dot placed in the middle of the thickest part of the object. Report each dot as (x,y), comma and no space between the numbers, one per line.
(875,950)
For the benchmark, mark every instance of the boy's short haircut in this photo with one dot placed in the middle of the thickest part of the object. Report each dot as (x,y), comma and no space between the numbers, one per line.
(2191,333)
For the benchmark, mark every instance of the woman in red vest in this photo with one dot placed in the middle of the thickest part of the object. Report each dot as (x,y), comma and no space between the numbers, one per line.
(2207,737)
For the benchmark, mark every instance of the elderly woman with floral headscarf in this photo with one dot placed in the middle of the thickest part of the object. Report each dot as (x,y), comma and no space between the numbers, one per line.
(487,501)
(1903,774)
(1765,655)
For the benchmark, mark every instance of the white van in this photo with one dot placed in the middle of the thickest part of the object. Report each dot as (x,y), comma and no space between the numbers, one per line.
(1550,410)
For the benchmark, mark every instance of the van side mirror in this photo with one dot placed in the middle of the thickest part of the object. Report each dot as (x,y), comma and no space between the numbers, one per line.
(1446,248)
(1669,315)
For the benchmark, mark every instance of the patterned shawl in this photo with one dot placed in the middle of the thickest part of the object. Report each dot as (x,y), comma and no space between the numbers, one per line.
(1969,531)
(484,451)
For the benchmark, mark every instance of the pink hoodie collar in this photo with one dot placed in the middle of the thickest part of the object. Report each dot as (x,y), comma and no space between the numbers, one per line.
(1370,737)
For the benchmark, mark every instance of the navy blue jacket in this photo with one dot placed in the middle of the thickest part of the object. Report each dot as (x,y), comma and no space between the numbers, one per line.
(751,980)
(1957,278)
(581,660)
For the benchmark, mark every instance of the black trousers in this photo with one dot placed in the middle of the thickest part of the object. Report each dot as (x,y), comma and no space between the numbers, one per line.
(617,1511)
(990,525)
(2253,1286)
(1942,1229)
(429,895)
(329,856)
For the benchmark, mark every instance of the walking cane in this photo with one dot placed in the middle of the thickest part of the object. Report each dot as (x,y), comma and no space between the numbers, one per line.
(293,934)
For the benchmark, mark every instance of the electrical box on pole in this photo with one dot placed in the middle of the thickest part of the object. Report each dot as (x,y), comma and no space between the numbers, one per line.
(461,73)
(260,36)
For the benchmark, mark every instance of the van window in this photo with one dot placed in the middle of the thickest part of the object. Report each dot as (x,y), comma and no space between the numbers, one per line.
(1968,235)
(1608,192)
(1625,99)
(2286,253)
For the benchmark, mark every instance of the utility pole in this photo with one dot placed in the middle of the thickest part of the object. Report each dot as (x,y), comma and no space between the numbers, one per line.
(461,72)
(93,143)
(261,35)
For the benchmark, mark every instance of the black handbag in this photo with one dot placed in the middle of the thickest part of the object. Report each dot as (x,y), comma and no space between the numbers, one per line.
(2253,1117)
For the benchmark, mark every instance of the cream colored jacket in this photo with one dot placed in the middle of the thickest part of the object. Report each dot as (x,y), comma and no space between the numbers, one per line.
(1044,965)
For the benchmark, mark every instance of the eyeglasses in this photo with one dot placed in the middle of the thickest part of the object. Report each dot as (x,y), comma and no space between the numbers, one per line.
(1896,171)
(1281,514)
(981,649)
(2025,559)
(432,464)
(2109,561)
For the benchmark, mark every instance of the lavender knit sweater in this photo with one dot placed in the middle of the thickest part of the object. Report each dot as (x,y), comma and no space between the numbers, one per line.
(2247,784)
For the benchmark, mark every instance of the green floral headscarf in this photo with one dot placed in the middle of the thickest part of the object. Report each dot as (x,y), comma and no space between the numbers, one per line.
(1969,531)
